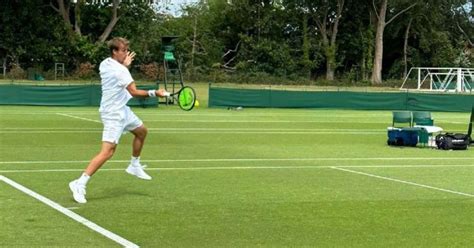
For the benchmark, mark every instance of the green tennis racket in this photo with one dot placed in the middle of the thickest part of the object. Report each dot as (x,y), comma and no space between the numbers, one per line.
(185,97)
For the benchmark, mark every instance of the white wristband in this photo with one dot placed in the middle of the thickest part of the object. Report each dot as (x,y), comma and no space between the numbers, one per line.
(152,93)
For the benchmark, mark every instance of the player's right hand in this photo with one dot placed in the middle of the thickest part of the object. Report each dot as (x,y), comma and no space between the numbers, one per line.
(162,93)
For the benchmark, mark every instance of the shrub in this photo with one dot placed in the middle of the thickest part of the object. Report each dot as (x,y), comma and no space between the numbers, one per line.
(16,72)
(85,71)
(152,71)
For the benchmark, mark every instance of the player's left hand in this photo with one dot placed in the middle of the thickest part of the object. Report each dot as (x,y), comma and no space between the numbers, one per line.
(129,59)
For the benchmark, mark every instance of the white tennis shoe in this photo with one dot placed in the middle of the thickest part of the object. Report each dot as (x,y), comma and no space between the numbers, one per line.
(78,191)
(137,170)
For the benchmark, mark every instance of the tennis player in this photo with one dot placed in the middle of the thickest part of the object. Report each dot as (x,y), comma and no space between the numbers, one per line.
(118,88)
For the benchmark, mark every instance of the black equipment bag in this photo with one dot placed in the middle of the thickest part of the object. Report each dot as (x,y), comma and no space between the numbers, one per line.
(453,141)
(456,141)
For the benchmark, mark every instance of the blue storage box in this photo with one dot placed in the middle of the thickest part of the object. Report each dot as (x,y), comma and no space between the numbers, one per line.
(402,136)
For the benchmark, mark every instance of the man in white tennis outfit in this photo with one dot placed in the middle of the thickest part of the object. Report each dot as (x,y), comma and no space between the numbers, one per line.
(118,88)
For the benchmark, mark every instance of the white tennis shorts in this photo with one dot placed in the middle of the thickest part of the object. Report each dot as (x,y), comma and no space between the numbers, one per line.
(116,123)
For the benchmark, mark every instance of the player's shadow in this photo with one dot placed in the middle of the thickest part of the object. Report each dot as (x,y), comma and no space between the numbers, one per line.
(117,193)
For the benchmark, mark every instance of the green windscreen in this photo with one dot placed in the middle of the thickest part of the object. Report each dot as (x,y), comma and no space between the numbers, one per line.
(67,95)
(415,101)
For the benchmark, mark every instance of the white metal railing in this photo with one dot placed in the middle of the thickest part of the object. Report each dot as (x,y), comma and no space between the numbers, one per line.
(3,67)
(442,78)
(59,70)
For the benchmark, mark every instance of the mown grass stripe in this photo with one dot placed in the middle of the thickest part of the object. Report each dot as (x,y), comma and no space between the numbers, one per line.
(110,235)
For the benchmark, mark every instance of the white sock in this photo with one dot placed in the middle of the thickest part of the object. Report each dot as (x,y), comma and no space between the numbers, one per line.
(83,179)
(135,161)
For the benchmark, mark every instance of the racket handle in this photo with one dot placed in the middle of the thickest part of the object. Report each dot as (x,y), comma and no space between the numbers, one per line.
(162,93)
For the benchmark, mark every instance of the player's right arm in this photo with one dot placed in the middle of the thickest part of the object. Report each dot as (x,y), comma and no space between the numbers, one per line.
(132,89)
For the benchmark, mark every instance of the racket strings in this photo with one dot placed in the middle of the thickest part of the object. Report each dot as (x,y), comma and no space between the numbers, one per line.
(187,98)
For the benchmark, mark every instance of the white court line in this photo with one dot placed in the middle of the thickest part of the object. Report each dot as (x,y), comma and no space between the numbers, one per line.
(194,129)
(403,181)
(240,160)
(243,168)
(262,121)
(45,132)
(317,113)
(80,118)
(205,132)
(238,121)
(49,128)
(114,237)
(226,114)
(215,121)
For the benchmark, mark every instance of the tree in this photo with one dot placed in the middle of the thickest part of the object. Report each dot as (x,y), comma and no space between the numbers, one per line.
(306,47)
(28,38)
(327,15)
(62,7)
(430,37)
(381,13)
(251,33)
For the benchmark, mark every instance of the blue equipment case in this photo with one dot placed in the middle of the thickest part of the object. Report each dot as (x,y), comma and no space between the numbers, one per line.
(402,136)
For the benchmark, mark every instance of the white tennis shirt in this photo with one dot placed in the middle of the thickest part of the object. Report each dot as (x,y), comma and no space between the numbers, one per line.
(115,78)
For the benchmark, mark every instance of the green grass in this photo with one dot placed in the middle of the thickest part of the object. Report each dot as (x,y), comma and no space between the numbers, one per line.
(224,178)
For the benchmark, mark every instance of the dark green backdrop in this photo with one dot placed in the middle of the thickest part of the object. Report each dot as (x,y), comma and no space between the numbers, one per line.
(89,95)
(83,95)
(226,97)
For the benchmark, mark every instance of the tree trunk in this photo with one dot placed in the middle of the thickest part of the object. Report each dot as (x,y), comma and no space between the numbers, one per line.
(329,36)
(405,49)
(64,11)
(330,62)
(193,50)
(305,48)
(77,15)
(114,19)
(332,49)
(377,69)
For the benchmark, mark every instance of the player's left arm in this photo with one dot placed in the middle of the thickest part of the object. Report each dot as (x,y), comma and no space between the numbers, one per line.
(132,89)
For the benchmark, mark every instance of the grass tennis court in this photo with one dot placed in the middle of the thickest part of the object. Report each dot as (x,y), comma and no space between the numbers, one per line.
(224,178)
